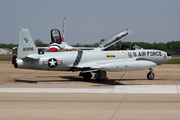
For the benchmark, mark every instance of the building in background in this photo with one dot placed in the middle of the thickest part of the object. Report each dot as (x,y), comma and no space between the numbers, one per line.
(5,51)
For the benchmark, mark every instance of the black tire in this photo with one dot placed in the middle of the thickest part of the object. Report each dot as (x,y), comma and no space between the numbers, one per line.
(87,76)
(150,75)
(100,80)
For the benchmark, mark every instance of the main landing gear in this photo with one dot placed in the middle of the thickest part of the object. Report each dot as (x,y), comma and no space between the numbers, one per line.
(86,75)
(100,76)
(150,75)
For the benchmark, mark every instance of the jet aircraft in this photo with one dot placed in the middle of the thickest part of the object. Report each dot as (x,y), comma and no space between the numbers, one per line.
(58,43)
(97,60)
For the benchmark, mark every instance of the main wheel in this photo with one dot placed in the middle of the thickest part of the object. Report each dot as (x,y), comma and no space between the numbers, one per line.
(100,80)
(150,75)
(87,76)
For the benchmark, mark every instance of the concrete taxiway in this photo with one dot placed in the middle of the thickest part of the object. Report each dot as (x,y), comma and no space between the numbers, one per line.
(44,95)
(47,106)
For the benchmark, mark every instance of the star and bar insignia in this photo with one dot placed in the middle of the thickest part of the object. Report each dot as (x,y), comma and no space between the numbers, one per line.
(52,62)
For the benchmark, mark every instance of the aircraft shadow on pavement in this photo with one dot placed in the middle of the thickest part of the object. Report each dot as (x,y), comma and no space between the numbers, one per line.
(71,79)
(105,82)
(140,79)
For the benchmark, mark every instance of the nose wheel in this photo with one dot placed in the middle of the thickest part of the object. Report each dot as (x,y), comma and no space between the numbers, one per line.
(150,75)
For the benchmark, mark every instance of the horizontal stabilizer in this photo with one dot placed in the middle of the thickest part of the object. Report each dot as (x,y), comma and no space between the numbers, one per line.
(33,56)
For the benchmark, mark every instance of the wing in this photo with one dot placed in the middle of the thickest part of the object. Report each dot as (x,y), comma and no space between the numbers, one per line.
(97,65)
(43,48)
(84,48)
(118,65)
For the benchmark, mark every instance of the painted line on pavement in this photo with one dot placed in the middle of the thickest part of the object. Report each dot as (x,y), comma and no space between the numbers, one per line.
(152,89)
(166,69)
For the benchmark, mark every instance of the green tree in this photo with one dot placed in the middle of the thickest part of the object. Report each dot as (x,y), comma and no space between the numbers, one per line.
(175,46)
(162,46)
(38,43)
(102,40)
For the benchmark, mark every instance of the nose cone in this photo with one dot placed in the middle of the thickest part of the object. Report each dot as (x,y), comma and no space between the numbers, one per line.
(166,57)
(53,49)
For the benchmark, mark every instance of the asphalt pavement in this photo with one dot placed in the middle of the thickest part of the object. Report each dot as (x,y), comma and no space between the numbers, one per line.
(46,95)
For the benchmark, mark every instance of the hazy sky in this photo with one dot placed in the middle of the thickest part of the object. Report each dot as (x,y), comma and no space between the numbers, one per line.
(89,21)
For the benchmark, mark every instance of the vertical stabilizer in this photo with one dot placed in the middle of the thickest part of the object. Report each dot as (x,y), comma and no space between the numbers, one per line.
(26,44)
(62,38)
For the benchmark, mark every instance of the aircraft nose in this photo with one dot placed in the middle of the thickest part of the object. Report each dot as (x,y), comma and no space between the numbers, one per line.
(53,49)
(168,54)
(167,57)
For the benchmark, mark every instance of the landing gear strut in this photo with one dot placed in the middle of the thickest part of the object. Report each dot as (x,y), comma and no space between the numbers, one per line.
(150,75)
(100,76)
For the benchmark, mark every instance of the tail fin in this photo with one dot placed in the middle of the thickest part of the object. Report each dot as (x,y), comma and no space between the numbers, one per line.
(26,44)
(62,38)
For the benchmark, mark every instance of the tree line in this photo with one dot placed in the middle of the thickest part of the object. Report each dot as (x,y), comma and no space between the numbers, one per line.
(10,46)
(173,46)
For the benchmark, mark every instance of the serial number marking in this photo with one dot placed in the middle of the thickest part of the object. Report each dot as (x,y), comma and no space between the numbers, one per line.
(28,49)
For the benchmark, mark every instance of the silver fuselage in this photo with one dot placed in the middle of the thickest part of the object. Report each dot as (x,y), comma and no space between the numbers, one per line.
(121,60)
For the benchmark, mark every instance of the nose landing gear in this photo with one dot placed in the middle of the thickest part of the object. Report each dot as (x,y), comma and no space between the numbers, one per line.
(150,75)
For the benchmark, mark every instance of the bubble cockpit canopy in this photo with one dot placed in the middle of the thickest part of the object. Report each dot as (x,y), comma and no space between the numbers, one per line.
(114,39)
